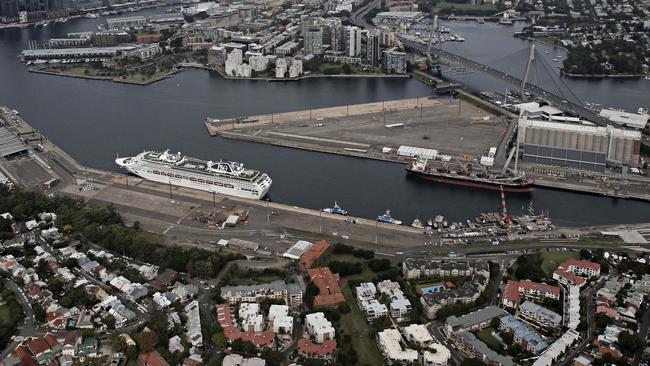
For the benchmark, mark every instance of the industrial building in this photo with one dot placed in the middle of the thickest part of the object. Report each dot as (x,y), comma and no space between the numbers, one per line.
(579,146)
(72,53)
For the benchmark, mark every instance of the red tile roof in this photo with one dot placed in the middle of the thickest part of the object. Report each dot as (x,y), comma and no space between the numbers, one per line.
(306,346)
(223,315)
(572,278)
(610,312)
(38,346)
(313,253)
(151,359)
(581,263)
(328,286)
(231,332)
(259,339)
(539,287)
(51,341)
(25,357)
(511,292)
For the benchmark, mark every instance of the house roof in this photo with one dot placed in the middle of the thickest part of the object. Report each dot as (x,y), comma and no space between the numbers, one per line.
(311,348)
(38,345)
(511,292)
(23,353)
(581,263)
(152,359)
(313,253)
(328,286)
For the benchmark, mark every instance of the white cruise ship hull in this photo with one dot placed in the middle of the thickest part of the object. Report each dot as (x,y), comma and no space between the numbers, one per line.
(203,182)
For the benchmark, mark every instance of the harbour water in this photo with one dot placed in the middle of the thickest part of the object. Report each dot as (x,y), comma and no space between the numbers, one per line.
(95,120)
(494,45)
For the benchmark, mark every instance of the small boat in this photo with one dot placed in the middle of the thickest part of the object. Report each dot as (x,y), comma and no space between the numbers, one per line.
(417,224)
(643,110)
(336,210)
(556,60)
(440,222)
(430,222)
(387,218)
(647,77)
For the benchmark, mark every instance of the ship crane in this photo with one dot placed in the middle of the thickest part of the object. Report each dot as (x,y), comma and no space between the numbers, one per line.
(504,209)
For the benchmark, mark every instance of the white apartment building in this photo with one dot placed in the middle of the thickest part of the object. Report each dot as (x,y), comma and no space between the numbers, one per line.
(283,324)
(319,327)
(353,37)
(390,345)
(418,334)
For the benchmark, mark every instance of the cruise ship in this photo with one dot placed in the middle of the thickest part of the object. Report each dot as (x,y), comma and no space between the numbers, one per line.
(223,177)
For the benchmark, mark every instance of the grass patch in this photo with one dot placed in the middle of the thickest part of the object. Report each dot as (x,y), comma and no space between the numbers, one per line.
(554,259)
(4,316)
(152,237)
(485,335)
(366,276)
(346,258)
(94,72)
(238,276)
(363,337)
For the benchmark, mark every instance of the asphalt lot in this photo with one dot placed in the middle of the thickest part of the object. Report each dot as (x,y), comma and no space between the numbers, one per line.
(438,124)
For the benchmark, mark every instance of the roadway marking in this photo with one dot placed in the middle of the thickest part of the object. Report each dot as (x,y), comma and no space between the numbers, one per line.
(385,254)
(166,230)
(186,215)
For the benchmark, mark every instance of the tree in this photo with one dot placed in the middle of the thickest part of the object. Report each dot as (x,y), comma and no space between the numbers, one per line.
(630,343)
(347,69)
(146,340)
(116,342)
(379,265)
(109,320)
(310,294)
(272,357)
(39,313)
(219,339)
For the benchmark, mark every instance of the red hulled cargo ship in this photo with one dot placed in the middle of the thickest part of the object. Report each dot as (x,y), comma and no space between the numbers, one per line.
(468,177)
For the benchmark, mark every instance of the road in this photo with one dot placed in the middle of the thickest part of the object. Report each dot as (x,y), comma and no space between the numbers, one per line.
(29,327)
(435,330)
(643,333)
(358,15)
(588,306)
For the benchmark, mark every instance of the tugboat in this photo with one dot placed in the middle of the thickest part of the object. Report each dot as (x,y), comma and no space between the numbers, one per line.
(387,218)
(336,210)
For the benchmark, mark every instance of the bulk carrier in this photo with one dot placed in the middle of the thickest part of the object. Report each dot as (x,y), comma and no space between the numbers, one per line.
(224,177)
(510,181)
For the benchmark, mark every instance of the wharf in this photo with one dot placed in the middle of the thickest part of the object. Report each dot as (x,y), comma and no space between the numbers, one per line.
(452,126)
(375,130)
(174,211)
(215,126)
(168,210)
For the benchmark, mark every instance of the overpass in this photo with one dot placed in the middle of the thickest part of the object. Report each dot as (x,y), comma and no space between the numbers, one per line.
(536,91)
